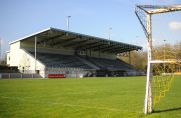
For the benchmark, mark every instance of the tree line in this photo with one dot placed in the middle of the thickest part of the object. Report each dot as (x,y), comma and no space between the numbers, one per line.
(139,58)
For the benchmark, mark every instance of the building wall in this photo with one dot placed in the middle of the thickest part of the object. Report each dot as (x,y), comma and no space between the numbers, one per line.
(23,60)
(101,54)
(8,58)
(14,54)
(47,49)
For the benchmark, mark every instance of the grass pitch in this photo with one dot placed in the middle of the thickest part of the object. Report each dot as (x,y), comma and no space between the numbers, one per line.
(83,98)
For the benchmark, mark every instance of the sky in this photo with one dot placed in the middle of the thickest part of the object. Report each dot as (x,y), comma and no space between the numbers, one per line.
(19,18)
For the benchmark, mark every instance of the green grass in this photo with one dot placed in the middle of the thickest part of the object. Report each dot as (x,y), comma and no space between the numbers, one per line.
(83,98)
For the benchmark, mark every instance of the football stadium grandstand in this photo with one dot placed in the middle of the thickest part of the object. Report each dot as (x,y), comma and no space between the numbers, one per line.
(59,53)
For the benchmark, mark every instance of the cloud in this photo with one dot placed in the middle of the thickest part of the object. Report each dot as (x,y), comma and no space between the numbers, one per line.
(175,25)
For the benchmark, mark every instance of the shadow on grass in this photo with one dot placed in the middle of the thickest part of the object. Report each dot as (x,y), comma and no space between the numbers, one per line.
(167,110)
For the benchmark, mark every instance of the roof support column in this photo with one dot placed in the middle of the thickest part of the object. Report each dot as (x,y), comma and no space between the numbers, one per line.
(35,51)
(90,51)
(129,57)
(99,51)
(86,52)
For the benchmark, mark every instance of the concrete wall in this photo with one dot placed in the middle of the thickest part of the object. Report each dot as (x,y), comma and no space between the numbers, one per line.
(23,60)
(8,58)
(14,54)
(47,49)
(97,54)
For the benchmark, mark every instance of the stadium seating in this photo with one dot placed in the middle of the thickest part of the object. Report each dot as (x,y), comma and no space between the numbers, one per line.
(60,60)
(70,63)
(110,64)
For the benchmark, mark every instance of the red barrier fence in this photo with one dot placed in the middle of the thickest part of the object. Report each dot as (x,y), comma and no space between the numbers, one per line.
(56,76)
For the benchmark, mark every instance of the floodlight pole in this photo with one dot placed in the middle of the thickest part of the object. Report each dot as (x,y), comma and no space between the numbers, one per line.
(129,57)
(68,17)
(148,95)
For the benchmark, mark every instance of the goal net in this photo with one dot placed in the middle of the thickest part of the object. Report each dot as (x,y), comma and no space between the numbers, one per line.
(163,68)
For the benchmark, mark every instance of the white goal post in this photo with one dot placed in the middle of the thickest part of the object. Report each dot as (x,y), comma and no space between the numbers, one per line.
(144,14)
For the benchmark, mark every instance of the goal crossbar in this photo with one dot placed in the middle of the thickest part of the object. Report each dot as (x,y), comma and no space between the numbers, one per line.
(164,61)
(157,9)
